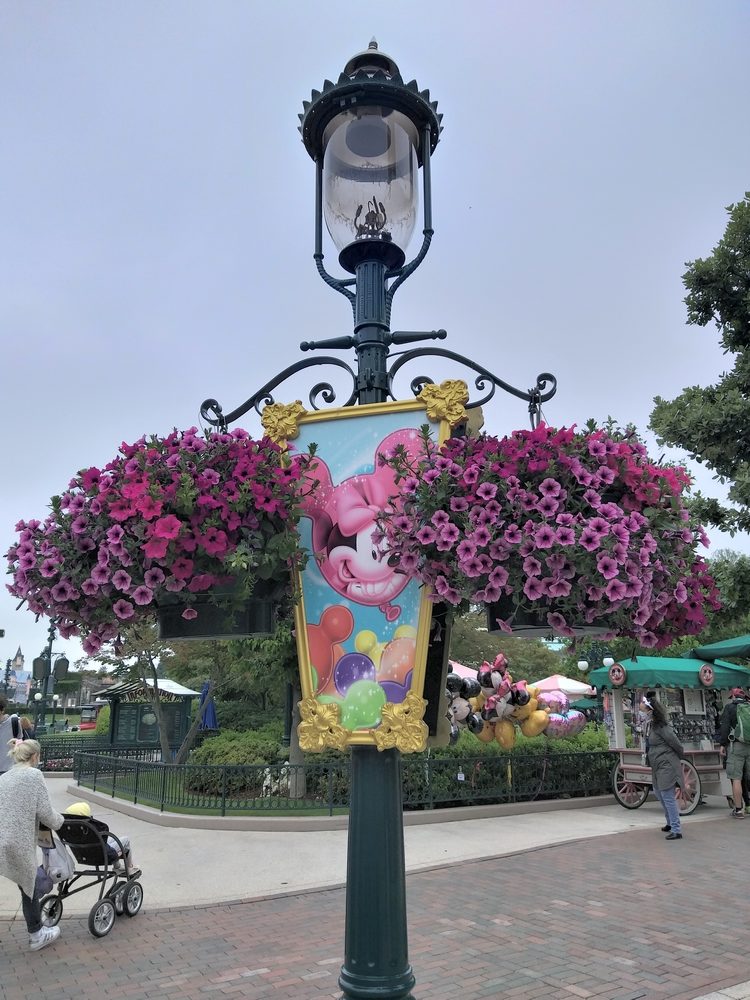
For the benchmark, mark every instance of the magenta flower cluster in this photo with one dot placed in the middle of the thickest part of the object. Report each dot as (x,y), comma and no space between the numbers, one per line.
(168,516)
(582,525)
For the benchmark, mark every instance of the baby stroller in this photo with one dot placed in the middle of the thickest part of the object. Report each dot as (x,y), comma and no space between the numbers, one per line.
(97,863)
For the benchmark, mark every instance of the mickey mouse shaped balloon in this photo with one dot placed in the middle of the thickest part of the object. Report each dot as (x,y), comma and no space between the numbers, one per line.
(460,708)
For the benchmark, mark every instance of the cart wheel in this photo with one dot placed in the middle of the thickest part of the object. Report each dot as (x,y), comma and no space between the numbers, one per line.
(102,917)
(52,909)
(630,794)
(133,898)
(116,894)
(688,801)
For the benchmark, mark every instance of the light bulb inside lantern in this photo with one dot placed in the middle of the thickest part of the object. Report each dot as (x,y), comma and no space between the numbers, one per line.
(608,661)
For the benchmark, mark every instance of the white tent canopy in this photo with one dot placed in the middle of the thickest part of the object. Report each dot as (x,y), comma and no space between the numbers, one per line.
(556,682)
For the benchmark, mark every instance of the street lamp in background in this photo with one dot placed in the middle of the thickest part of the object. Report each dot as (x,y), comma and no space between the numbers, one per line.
(55,703)
(369,135)
(45,674)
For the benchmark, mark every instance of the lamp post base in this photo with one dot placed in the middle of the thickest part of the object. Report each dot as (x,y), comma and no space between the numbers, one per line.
(376,960)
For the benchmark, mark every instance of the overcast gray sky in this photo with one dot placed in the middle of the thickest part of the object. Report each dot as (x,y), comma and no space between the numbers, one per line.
(157,209)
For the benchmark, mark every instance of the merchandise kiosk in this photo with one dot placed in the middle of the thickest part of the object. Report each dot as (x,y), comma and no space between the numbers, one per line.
(694,692)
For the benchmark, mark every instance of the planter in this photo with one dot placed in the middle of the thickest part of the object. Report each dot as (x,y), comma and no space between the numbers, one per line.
(218,617)
(531,623)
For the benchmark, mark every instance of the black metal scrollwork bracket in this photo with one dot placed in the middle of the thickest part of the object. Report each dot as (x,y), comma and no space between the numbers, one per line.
(486,383)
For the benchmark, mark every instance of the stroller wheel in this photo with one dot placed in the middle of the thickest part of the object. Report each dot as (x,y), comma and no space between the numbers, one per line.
(102,917)
(117,894)
(52,909)
(133,898)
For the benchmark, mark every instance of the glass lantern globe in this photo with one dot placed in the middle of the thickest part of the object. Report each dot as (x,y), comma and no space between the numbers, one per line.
(370,183)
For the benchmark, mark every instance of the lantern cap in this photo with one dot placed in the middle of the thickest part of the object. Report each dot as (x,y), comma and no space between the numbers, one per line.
(370,78)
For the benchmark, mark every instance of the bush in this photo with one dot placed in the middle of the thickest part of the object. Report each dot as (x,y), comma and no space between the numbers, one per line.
(102,721)
(232,747)
(244,716)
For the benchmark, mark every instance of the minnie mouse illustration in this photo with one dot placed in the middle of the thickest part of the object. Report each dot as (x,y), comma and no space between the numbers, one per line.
(343,520)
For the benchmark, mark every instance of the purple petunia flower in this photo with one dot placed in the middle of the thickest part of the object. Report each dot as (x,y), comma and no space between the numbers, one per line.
(426,535)
(558,587)
(544,537)
(459,504)
(123,609)
(533,588)
(121,580)
(550,487)
(532,566)
(466,549)
(615,590)
(607,566)
(498,577)
(449,533)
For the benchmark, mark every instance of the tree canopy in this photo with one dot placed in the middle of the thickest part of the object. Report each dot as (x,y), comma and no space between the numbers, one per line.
(712,423)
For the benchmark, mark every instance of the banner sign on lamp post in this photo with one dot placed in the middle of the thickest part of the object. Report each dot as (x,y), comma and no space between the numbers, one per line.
(362,625)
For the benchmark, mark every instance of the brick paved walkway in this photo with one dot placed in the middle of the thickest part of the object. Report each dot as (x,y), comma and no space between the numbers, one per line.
(613,918)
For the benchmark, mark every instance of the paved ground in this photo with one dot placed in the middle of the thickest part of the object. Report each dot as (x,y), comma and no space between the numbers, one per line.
(616,916)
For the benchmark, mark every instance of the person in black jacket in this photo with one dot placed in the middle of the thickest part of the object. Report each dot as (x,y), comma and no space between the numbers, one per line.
(737,754)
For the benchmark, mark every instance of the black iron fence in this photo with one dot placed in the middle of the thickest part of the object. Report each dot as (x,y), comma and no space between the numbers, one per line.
(58,753)
(428,782)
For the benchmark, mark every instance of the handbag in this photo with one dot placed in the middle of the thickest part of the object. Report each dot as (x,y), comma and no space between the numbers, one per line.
(57,861)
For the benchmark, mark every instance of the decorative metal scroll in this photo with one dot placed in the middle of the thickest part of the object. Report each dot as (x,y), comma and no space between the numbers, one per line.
(545,388)
(485,382)
(212,413)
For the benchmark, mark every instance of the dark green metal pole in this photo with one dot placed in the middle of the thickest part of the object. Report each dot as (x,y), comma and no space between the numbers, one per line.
(376,958)
(370,332)
(376,952)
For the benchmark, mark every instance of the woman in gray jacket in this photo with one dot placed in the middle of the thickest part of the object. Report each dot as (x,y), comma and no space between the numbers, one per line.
(24,804)
(664,755)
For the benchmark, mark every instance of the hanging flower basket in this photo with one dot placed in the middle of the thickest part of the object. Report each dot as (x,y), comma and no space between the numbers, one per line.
(581,529)
(160,528)
(218,614)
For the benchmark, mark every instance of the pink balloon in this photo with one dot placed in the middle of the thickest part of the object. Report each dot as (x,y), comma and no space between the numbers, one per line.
(562,727)
(555,701)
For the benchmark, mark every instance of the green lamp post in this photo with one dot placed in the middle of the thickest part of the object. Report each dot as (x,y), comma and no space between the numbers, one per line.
(43,671)
(369,135)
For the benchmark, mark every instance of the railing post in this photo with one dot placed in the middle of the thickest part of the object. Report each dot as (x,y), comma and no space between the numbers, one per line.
(223,789)
(137,776)
(329,796)
(163,767)
(430,799)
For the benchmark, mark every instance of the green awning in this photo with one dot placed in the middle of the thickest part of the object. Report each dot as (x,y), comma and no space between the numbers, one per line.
(583,703)
(671,672)
(738,648)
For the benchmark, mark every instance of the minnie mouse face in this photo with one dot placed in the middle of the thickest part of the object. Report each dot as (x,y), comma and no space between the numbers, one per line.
(343,519)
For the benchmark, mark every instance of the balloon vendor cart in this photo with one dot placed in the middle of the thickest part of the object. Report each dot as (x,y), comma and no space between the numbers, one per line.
(694,692)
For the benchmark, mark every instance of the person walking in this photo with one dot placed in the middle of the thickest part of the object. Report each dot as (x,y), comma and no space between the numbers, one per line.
(10,728)
(734,740)
(24,804)
(664,754)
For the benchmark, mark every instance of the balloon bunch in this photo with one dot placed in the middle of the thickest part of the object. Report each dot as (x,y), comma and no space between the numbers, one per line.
(493,705)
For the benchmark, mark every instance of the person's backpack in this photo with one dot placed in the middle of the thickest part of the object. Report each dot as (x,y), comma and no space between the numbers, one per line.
(742,726)
(15,725)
